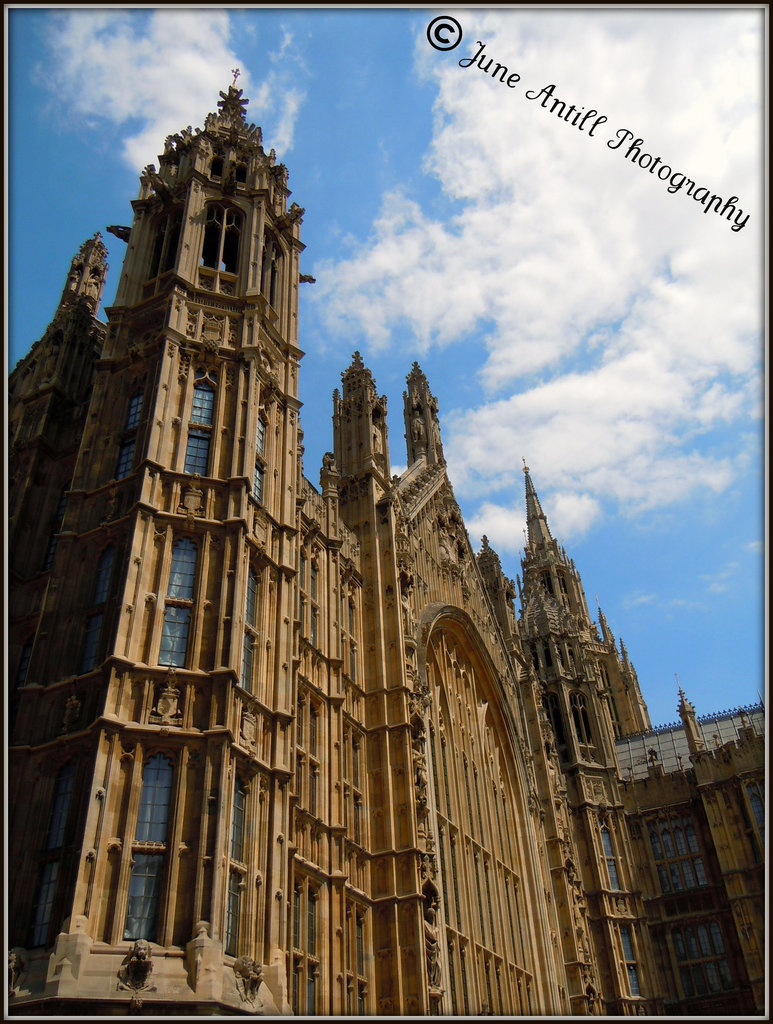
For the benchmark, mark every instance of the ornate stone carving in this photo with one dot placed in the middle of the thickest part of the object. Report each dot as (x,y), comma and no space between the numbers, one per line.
(72,714)
(166,711)
(134,973)
(15,971)
(249,975)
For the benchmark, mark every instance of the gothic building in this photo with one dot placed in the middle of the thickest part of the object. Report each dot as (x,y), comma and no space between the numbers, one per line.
(284,749)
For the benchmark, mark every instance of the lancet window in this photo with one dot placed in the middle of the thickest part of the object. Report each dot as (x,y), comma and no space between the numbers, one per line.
(179,604)
(250,631)
(149,850)
(129,436)
(200,426)
(93,631)
(48,872)
(222,233)
(237,868)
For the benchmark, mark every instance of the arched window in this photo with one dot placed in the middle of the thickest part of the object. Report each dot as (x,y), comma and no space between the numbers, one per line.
(609,855)
(48,559)
(238,822)
(60,807)
(250,631)
(222,232)
(147,867)
(216,167)
(553,708)
(177,613)
(129,436)
(165,243)
(24,661)
(581,719)
(630,960)
(93,631)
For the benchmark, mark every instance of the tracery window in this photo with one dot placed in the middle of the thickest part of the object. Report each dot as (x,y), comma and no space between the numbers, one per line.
(167,238)
(474,790)
(149,850)
(674,844)
(222,233)
(701,959)
(582,729)
(552,705)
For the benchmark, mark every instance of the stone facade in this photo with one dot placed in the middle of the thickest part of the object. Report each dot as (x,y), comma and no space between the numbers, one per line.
(284,749)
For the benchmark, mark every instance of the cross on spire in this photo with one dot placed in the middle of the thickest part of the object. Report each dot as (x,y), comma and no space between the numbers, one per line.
(235,72)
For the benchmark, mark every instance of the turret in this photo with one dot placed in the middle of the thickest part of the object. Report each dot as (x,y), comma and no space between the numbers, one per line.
(359,425)
(422,429)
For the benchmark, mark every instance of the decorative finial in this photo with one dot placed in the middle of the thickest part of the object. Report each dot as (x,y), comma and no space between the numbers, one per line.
(525,467)
(235,72)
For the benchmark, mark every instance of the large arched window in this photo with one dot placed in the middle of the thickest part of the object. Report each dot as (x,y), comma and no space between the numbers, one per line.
(476,801)
(148,863)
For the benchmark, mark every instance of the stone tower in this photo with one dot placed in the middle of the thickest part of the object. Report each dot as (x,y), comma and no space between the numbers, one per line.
(585,691)
(159,724)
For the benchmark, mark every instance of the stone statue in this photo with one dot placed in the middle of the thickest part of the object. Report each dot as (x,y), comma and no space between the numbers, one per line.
(135,972)
(249,975)
(15,971)
(418,433)
(431,946)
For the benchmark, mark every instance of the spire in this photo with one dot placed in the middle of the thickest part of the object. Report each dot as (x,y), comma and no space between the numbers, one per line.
(690,722)
(536,522)
(606,632)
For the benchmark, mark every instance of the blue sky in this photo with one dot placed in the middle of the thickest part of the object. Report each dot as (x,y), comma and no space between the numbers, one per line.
(566,308)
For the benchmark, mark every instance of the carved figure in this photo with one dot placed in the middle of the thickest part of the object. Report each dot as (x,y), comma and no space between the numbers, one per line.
(249,975)
(418,431)
(431,947)
(135,972)
(420,776)
(15,971)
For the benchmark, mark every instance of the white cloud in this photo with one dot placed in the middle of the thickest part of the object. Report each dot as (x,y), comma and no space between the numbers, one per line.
(106,65)
(719,582)
(619,325)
